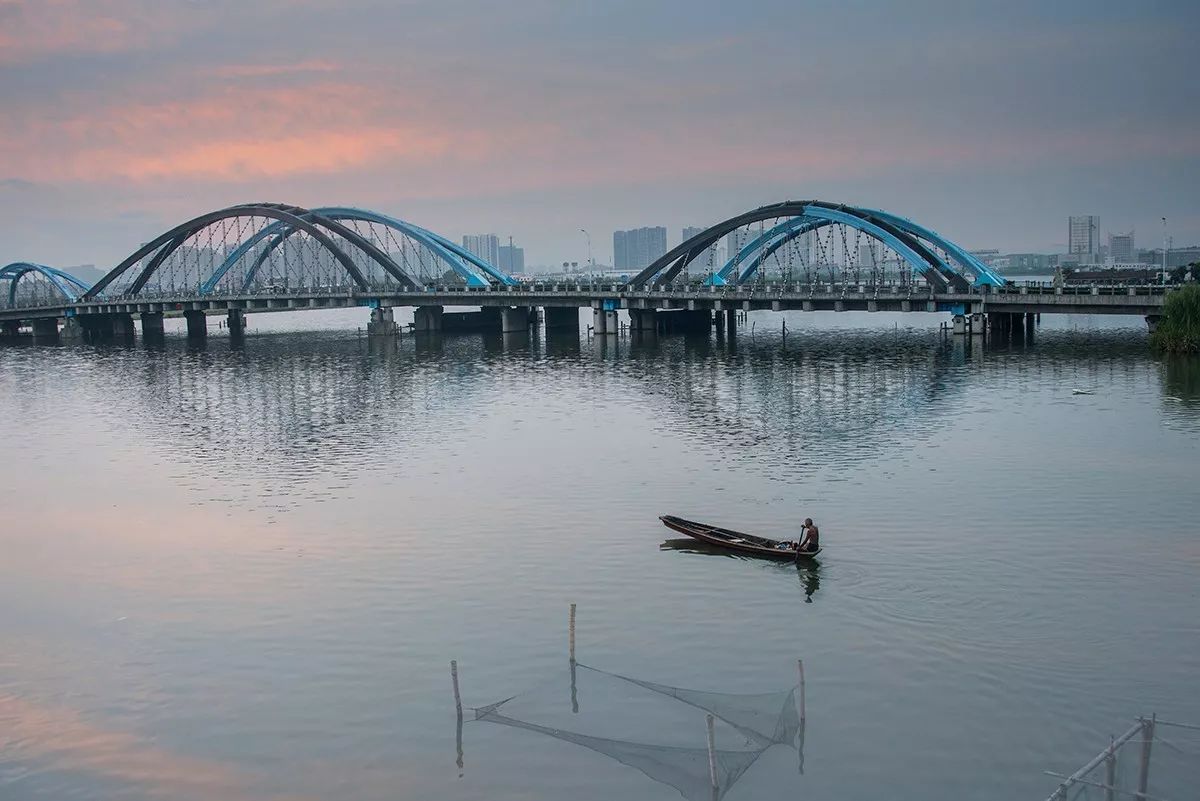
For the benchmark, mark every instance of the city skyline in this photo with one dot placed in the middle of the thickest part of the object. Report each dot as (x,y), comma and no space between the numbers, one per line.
(124,117)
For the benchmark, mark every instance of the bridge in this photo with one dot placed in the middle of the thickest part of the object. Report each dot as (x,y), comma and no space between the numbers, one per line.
(796,255)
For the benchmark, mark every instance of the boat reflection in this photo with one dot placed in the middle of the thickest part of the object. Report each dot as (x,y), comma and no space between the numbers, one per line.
(809,571)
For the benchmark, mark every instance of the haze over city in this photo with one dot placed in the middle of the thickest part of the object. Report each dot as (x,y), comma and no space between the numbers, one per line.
(991,124)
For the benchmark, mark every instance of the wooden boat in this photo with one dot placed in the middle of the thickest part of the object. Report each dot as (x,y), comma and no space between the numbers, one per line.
(736,540)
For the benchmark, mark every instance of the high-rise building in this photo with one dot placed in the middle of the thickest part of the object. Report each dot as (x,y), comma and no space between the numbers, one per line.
(690,231)
(637,248)
(511,259)
(1083,235)
(485,246)
(1121,249)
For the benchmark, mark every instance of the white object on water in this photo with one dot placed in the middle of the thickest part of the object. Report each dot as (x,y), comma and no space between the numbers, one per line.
(1082,391)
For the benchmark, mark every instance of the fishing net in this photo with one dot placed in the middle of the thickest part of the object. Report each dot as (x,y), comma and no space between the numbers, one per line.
(658,729)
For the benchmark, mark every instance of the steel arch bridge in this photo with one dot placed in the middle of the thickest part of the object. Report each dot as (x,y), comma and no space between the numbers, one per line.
(265,248)
(25,284)
(814,240)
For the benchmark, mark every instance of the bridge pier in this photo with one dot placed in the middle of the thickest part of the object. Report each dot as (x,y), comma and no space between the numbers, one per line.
(1152,322)
(122,326)
(197,323)
(643,321)
(12,328)
(731,324)
(45,328)
(514,319)
(605,322)
(427,319)
(561,317)
(959,324)
(382,323)
(72,330)
(235,321)
(152,325)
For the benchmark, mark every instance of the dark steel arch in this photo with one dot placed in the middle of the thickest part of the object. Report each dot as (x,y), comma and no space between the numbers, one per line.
(672,263)
(293,216)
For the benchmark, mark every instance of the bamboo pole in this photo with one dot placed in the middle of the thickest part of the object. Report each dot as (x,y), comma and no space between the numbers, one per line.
(1078,775)
(800,665)
(712,751)
(454,681)
(1110,770)
(1144,767)
(571,634)
(458,714)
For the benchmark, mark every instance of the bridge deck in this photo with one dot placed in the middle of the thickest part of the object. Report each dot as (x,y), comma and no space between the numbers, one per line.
(1139,300)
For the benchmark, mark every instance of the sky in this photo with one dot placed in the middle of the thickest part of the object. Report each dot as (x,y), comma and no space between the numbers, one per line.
(989,122)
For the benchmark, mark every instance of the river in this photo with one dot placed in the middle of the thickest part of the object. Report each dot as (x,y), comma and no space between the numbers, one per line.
(241,571)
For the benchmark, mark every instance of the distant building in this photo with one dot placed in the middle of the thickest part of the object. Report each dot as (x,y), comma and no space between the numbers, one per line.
(1029,263)
(485,246)
(511,259)
(690,231)
(1083,237)
(636,249)
(986,255)
(1120,248)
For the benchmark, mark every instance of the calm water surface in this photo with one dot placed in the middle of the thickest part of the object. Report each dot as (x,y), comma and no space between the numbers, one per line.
(241,572)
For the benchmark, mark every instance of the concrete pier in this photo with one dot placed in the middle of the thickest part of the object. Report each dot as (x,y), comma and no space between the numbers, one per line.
(561,317)
(72,330)
(427,319)
(731,324)
(605,322)
(383,322)
(11,328)
(45,328)
(514,320)
(684,321)
(197,324)
(643,321)
(486,320)
(122,326)
(235,321)
(152,325)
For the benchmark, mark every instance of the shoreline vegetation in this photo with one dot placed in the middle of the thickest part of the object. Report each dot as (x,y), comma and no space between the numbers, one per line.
(1178,330)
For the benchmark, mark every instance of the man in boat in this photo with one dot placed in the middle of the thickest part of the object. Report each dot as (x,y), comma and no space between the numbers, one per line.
(811,540)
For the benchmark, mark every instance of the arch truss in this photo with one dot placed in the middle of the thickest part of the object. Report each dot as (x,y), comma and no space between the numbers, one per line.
(813,241)
(268,248)
(26,285)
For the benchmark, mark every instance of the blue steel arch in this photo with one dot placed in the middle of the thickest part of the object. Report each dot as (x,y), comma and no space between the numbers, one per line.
(815,216)
(909,240)
(784,229)
(462,261)
(983,273)
(71,287)
(790,229)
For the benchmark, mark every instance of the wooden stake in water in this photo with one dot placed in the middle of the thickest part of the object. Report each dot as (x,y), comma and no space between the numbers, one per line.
(712,751)
(571,633)
(1110,770)
(458,713)
(800,665)
(1144,767)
